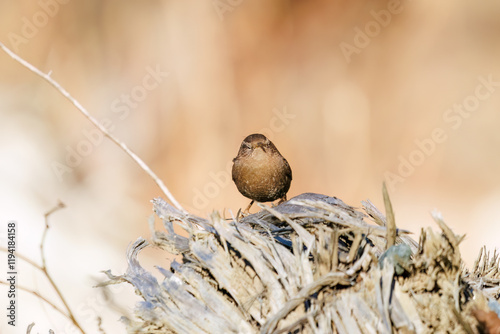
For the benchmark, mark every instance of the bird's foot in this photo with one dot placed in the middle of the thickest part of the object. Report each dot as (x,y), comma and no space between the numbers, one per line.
(245,212)
(280,201)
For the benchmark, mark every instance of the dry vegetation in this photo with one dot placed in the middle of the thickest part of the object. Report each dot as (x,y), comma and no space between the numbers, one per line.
(310,265)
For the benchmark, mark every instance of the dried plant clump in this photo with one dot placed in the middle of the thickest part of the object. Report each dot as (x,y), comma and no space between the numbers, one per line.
(310,265)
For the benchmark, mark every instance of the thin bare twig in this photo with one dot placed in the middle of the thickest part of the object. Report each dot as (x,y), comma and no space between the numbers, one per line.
(43,269)
(24,258)
(30,326)
(38,295)
(70,315)
(98,125)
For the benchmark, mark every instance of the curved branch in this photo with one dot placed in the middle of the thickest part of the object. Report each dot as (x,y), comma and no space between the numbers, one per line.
(96,123)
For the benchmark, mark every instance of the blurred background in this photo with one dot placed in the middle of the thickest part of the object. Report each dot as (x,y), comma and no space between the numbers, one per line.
(352,94)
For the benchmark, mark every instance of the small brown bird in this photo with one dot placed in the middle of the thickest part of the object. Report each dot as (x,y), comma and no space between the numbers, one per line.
(260,172)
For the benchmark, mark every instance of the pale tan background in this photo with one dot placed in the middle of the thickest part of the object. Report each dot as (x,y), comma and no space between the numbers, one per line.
(275,67)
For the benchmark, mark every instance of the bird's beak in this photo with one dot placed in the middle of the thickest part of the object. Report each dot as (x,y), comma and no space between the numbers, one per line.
(260,145)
